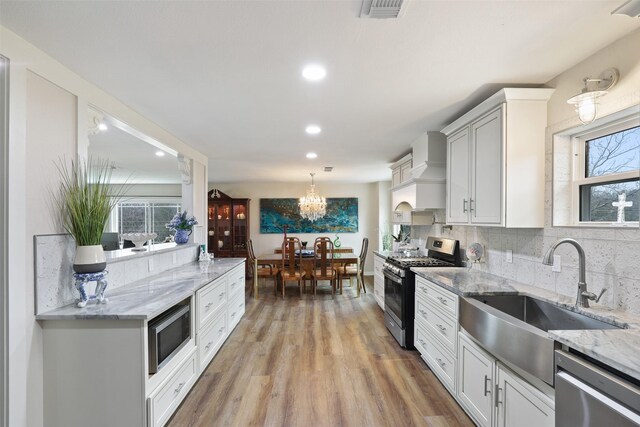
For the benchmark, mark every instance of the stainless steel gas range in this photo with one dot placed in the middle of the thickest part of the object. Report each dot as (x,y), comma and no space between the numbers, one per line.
(399,284)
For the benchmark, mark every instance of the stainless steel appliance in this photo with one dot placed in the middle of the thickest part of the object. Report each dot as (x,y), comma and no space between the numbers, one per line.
(590,395)
(168,333)
(399,284)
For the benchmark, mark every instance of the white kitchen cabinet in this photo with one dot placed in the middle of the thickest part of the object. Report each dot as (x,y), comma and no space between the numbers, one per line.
(436,330)
(378,280)
(401,171)
(458,177)
(92,361)
(495,156)
(518,403)
(475,381)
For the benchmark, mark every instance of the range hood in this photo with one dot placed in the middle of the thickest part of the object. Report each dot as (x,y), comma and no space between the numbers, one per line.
(425,191)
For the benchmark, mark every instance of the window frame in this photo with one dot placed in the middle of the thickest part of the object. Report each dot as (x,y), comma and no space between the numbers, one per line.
(114,217)
(578,141)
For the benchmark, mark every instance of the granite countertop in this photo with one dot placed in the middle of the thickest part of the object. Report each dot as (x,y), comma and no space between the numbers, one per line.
(148,297)
(618,348)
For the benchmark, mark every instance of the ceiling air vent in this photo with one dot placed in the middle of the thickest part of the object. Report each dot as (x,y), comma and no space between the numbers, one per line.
(328,168)
(383,8)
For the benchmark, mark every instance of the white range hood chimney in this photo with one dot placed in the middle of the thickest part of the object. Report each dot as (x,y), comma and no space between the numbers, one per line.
(425,190)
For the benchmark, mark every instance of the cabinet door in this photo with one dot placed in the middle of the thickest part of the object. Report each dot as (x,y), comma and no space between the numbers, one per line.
(519,404)
(405,171)
(486,169)
(458,177)
(475,381)
(395,177)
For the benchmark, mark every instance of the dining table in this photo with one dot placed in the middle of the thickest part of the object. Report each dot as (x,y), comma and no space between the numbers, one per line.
(341,258)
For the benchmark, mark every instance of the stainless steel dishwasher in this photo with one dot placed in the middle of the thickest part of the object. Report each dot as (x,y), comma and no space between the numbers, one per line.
(588,395)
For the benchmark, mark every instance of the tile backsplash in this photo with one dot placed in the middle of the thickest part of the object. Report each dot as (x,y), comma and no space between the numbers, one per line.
(54,255)
(612,257)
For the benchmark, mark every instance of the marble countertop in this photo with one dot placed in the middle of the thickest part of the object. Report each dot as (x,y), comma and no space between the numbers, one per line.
(148,297)
(383,254)
(156,248)
(618,348)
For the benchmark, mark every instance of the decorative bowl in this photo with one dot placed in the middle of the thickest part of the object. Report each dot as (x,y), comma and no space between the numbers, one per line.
(138,239)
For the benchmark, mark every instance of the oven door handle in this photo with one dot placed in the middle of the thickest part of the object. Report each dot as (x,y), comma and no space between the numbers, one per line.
(392,277)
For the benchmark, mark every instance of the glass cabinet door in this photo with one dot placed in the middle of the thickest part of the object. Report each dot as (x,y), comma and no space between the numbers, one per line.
(239,227)
(223,232)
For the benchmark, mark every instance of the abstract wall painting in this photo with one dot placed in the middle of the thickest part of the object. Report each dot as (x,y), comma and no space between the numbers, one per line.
(341,217)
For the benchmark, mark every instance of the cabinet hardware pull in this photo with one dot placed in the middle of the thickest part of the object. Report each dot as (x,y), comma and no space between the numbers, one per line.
(471,208)
(464,205)
(221,329)
(240,305)
(440,362)
(498,389)
(486,390)
(177,390)
(206,347)
(221,295)
(442,300)
(442,328)
(208,306)
(233,314)
(424,313)
(422,342)
(425,290)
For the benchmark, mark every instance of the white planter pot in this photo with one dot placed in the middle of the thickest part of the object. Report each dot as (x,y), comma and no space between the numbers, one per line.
(89,259)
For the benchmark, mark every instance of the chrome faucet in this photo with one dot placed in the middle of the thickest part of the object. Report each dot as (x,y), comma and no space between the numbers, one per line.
(583,297)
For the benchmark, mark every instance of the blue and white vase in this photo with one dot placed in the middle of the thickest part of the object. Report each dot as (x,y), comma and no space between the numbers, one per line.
(182,236)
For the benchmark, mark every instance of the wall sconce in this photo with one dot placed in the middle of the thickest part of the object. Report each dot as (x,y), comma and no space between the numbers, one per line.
(586,102)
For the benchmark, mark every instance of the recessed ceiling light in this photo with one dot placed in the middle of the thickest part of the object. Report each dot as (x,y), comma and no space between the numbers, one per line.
(314,72)
(313,129)
(311,155)
(102,126)
(160,153)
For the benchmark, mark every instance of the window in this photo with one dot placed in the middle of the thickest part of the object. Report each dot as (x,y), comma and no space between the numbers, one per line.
(145,216)
(608,166)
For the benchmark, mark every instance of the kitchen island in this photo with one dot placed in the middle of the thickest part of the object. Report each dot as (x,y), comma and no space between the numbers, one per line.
(99,360)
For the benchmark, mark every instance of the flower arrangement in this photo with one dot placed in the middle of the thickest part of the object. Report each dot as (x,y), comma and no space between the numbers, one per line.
(181,221)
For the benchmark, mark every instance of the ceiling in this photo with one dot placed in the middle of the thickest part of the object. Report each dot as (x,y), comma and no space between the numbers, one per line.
(225,76)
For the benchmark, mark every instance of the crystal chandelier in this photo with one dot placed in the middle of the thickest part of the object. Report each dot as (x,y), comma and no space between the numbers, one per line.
(312,206)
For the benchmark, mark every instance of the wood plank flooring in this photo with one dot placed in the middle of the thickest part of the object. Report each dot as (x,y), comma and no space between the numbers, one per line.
(316,362)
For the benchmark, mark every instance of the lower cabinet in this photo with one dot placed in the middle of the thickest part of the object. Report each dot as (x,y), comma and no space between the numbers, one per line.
(493,395)
(475,381)
(520,404)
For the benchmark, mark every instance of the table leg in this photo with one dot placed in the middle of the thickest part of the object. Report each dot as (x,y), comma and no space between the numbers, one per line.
(255,278)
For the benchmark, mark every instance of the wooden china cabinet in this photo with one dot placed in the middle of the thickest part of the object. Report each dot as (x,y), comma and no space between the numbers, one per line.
(228,225)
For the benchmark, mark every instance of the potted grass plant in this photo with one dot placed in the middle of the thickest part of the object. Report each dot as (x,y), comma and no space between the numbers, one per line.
(85,199)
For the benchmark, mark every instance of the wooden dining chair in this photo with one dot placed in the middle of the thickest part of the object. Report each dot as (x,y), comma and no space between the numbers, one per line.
(291,270)
(323,269)
(351,270)
(265,270)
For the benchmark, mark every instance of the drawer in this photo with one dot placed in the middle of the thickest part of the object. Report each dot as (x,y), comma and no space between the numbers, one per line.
(236,282)
(442,326)
(168,396)
(377,265)
(235,310)
(210,299)
(379,296)
(211,338)
(441,298)
(439,360)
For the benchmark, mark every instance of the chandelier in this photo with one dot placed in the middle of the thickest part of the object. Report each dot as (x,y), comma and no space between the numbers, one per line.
(312,206)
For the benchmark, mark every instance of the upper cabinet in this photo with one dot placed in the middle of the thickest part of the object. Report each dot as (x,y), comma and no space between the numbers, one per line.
(495,161)
(401,171)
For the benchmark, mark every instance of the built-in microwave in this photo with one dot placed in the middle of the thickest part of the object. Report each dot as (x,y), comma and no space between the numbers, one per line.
(168,333)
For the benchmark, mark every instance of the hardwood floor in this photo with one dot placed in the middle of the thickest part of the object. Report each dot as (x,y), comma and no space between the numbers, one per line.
(316,362)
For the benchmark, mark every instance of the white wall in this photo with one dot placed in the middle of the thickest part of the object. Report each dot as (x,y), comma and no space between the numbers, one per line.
(611,254)
(367,195)
(154,190)
(47,116)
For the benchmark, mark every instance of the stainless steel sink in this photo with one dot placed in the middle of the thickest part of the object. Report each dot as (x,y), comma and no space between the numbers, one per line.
(514,328)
